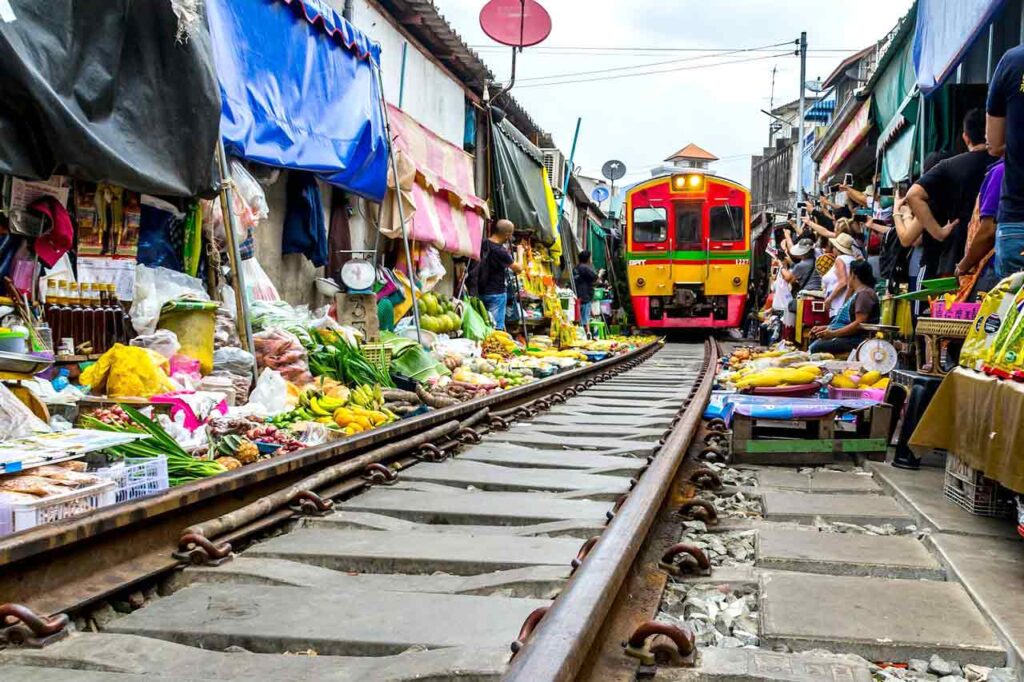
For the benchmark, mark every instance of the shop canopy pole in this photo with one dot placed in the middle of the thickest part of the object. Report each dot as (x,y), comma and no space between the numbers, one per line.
(242,321)
(401,210)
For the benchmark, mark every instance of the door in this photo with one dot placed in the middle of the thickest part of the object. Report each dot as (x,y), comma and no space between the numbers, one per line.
(688,242)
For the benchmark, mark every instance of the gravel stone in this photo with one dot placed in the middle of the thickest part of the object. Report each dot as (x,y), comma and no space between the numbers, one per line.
(1002,675)
(917,665)
(976,673)
(939,666)
(102,616)
(952,678)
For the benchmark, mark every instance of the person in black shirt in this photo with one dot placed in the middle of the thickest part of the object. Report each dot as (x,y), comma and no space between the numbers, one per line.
(1005,138)
(495,262)
(584,277)
(943,199)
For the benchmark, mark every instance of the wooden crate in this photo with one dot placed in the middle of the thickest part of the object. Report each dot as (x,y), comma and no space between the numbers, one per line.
(811,441)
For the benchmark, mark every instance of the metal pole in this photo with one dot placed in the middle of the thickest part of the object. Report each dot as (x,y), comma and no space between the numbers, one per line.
(802,115)
(242,321)
(401,211)
(565,190)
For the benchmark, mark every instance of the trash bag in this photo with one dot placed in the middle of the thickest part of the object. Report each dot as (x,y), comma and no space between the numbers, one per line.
(271,393)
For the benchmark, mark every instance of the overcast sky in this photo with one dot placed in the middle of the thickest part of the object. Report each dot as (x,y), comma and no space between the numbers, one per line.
(642,119)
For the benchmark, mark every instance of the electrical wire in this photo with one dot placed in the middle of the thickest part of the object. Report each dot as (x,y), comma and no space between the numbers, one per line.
(648,73)
(639,51)
(643,66)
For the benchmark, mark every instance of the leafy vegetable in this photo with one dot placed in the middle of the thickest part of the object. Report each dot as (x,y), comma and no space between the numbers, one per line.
(181,466)
(338,359)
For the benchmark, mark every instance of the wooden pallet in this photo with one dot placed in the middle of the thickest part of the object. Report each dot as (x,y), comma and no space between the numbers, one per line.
(811,441)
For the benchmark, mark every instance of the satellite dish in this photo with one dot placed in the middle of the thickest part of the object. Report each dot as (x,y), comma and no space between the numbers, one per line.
(600,194)
(613,170)
(518,23)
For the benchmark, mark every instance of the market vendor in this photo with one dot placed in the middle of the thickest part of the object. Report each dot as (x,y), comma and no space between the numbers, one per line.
(495,262)
(845,332)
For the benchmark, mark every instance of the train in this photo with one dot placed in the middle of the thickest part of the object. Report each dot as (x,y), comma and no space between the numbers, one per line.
(687,250)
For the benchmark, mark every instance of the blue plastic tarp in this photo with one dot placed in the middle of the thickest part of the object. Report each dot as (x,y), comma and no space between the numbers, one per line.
(945,30)
(299,91)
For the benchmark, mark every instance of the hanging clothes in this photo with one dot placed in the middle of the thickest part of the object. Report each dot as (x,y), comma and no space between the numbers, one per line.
(305,231)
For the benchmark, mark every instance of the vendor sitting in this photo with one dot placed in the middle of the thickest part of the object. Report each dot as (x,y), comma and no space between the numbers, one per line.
(846,331)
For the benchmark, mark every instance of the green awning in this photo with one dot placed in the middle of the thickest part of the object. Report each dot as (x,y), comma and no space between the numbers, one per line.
(895,83)
(597,245)
(897,145)
(519,192)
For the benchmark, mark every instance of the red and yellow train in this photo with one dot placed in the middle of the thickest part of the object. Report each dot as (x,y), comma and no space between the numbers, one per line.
(688,251)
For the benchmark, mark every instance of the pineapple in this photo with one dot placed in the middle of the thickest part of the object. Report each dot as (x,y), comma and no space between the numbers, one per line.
(247,452)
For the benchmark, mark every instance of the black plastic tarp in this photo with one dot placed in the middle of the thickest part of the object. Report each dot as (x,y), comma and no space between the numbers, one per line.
(103,90)
(519,192)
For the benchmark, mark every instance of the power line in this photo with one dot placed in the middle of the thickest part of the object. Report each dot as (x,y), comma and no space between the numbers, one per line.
(643,66)
(648,73)
(648,50)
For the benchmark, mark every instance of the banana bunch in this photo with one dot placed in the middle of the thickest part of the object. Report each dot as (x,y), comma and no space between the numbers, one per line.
(366,397)
(778,376)
(324,406)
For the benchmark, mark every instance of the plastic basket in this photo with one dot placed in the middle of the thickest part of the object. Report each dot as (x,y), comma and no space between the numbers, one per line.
(137,477)
(19,517)
(972,491)
(377,354)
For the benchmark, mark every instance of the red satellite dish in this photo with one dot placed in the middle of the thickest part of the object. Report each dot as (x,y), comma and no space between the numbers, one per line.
(519,23)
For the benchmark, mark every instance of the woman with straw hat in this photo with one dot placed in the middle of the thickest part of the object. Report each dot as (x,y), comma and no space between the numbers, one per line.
(835,281)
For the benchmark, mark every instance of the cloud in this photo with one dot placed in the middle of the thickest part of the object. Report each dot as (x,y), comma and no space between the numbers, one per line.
(642,119)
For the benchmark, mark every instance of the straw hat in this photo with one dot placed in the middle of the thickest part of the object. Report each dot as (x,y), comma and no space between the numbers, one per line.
(843,243)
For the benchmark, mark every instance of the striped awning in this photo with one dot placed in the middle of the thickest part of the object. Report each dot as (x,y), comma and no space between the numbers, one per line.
(821,111)
(854,133)
(438,190)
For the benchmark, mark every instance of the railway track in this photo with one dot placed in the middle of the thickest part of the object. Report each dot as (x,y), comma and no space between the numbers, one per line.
(463,533)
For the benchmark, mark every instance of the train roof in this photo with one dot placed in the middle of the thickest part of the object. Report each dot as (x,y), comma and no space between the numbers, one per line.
(686,171)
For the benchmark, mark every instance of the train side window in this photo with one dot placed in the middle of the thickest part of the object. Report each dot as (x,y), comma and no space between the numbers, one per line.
(650,225)
(688,226)
(727,223)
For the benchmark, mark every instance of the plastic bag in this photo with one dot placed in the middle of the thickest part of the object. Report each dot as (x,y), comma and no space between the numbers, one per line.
(271,393)
(185,370)
(16,420)
(225,334)
(237,365)
(281,315)
(163,341)
(258,285)
(128,371)
(156,286)
(281,350)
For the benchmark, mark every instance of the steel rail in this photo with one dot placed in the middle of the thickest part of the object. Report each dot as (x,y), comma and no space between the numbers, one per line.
(66,565)
(561,643)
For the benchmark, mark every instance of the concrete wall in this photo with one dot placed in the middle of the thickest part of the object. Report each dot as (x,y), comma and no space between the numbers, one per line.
(293,275)
(430,95)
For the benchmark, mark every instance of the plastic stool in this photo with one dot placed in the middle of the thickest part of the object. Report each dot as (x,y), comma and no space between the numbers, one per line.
(598,329)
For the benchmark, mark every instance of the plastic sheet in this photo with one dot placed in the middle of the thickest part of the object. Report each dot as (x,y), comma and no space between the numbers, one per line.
(103,91)
(298,91)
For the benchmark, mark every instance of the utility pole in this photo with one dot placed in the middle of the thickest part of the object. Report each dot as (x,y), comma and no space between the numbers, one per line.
(800,123)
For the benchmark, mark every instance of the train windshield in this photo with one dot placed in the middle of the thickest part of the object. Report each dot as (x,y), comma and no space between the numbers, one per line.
(650,225)
(688,226)
(727,223)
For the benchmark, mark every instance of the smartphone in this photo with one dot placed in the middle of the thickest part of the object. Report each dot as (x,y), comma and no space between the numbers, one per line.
(886,191)
(803,212)
(789,216)
(848,179)
(903,187)
(833,188)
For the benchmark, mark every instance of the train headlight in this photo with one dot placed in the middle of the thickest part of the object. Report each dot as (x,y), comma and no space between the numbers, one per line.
(640,282)
(736,281)
(691,182)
